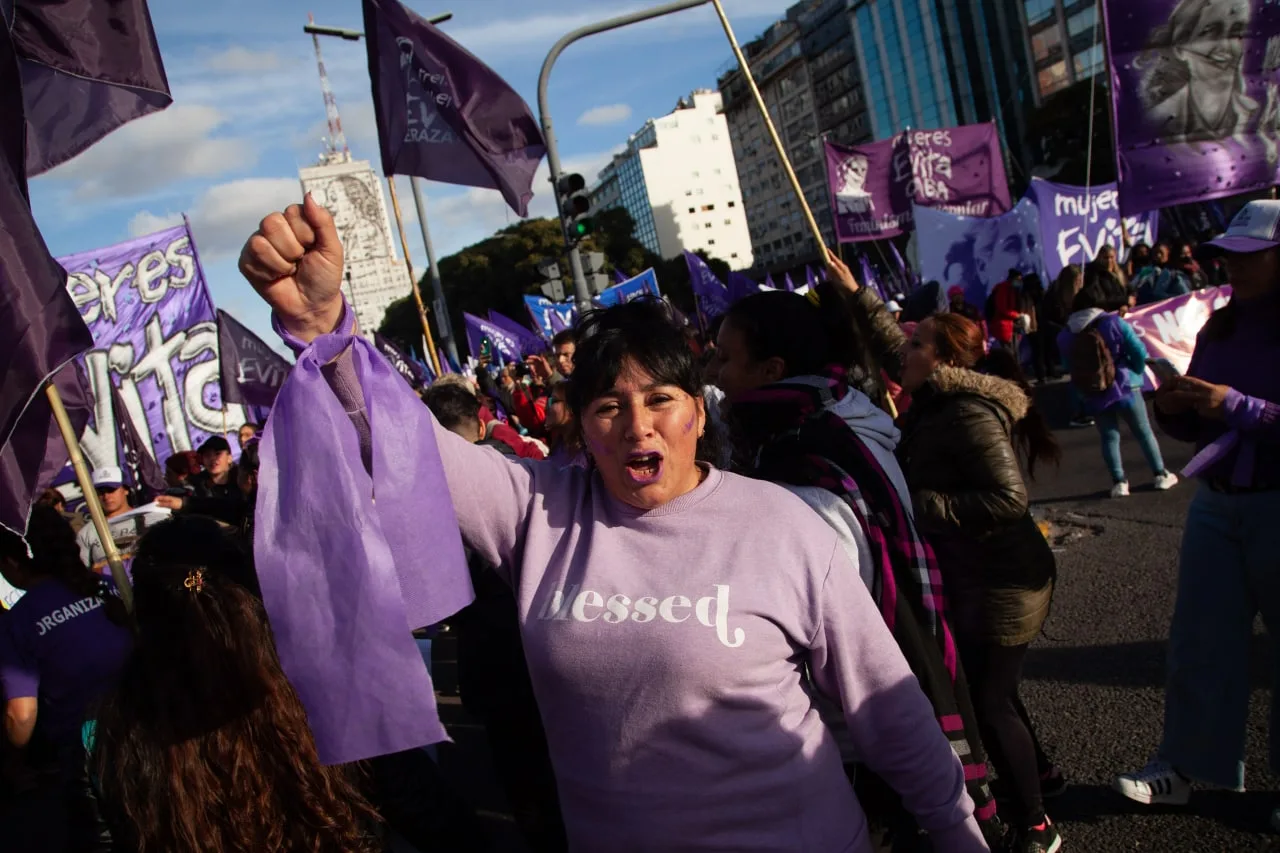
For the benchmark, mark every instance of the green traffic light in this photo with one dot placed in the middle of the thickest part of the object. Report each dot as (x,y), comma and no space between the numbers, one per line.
(583,227)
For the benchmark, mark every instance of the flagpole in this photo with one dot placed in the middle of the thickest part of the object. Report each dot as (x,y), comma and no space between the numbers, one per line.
(768,123)
(98,517)
(417,293)
(433,270)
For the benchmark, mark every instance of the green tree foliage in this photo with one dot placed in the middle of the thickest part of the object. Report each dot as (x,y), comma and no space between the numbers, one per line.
(497,272)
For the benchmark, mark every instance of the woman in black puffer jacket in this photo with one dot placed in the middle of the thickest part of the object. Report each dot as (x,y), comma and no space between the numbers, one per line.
(959,453)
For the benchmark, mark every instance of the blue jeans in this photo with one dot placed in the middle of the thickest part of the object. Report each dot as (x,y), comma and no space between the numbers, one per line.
(1133,411)
(1229,572)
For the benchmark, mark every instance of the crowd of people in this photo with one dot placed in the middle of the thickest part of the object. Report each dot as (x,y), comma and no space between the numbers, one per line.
(771,589)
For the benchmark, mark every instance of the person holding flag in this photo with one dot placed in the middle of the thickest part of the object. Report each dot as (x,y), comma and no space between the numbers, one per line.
(666,631)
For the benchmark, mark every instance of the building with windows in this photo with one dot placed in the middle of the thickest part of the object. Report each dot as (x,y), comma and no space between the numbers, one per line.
(678,181)
(352,192)
(1067,44)
(807,72)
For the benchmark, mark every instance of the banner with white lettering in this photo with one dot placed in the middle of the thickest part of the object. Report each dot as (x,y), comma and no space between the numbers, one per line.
(1169,328)
(156,338)
(1076,223)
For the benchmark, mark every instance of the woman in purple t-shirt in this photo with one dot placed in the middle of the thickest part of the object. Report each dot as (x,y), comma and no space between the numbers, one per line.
(63,642)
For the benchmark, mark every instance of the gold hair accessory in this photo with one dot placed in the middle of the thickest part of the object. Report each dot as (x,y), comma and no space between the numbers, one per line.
(195,580)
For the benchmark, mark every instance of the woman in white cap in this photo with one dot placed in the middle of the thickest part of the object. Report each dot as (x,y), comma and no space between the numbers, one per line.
(1229,405)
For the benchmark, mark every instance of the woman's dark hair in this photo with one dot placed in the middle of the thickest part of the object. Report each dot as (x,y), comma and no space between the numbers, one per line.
(643,332)
(808,338)
(55,554)
(203,744)
(1087,297)
(1109,292)
(1032,437)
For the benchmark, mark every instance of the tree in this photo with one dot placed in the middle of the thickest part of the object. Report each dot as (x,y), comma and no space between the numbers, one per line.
(499,271)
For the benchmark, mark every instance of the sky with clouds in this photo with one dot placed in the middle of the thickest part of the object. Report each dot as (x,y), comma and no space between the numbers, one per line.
(247,113)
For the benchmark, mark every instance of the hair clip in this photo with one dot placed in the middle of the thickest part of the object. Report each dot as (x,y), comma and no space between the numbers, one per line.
(195,580)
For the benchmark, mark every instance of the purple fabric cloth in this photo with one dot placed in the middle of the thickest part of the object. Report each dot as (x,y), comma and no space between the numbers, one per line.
(531,343)
(740,287)
(956,169)
(443,114)
(1194,99)
(417,374)
(1244,448)
(506,346)
(345,578)
(1075,224)
(59,646)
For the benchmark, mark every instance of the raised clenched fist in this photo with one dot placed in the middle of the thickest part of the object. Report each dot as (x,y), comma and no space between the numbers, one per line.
(294,261)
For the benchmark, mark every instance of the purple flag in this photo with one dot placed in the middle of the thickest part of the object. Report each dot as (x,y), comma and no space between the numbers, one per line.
(87,68)
(138,461)
(740,287)
(416,374)
(636,287)
(809,278)
(443,114)
(711,296)
(446,366)
(550,317)
(956,169)
(530,342)
(558,323)
(251,371)
(907,278)
(1195,99)
(619,276)
(506,346)
(154,335)
(1075,224)
(346,579)
(56,104)
(768,282)
(787,283)
(871,279)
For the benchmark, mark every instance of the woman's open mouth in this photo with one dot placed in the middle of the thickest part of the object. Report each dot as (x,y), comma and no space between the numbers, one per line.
(644,468)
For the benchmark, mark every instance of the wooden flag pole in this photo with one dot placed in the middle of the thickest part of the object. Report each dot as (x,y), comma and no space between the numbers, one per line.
(773,131)
(417,293)
(98,517)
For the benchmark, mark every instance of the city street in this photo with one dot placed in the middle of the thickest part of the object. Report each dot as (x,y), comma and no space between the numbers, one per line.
(1093,680)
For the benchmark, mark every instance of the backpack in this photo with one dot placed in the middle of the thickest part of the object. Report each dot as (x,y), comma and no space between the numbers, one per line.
(1093,369)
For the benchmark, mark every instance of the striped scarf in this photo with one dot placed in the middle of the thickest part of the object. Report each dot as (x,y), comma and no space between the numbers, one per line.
(793,437)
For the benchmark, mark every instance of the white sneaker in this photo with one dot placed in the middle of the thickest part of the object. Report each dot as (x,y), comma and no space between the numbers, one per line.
(1166,481)
(1156,784)
(1120,490)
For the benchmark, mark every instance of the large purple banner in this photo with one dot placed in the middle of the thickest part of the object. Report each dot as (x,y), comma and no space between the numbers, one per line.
(155,337)
(1194,101)
(1076,223)
(957,170)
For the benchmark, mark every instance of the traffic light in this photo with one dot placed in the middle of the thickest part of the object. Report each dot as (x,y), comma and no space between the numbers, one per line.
(575,208)
(553,287)
(593,269)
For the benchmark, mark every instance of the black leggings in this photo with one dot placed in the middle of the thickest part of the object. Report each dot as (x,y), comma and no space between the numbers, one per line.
(994,674)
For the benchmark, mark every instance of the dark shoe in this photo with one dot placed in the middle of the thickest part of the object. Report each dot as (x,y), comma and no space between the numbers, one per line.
(1039,839)
(1052,783)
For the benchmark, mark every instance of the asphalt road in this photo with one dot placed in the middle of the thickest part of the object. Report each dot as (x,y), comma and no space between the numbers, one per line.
(1094,681)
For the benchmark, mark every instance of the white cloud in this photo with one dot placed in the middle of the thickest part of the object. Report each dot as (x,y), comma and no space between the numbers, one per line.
(241,60)
(163,148)
(225,214)
(608,114)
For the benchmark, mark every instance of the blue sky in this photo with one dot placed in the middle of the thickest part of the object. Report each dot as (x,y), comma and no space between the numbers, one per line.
(247,113)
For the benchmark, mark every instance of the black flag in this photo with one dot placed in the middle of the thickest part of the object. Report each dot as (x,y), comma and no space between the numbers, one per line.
(415,374)
(147,475)
(252,372)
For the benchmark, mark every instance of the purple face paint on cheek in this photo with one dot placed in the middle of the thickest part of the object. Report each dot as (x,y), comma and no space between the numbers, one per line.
(693,420)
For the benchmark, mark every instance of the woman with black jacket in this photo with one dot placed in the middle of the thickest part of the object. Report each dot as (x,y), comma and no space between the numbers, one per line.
(959,453)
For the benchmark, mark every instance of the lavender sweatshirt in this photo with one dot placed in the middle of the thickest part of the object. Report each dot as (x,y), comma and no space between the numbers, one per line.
(668,650)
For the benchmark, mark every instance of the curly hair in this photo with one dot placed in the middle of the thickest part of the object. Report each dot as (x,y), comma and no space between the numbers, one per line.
(204,745)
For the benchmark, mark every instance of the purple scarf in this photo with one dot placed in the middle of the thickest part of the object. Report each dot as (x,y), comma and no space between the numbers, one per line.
(346,579)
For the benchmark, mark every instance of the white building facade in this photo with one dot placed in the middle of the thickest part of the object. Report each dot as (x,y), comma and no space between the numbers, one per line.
(678,180)
(375,275)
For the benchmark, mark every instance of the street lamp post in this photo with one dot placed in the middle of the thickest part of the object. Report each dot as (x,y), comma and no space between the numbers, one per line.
(443,323)
(581,294)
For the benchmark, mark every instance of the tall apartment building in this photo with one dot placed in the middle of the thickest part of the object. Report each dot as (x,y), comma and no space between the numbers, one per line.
(375,274)
(677,180)
(806,69)
(1066,42)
